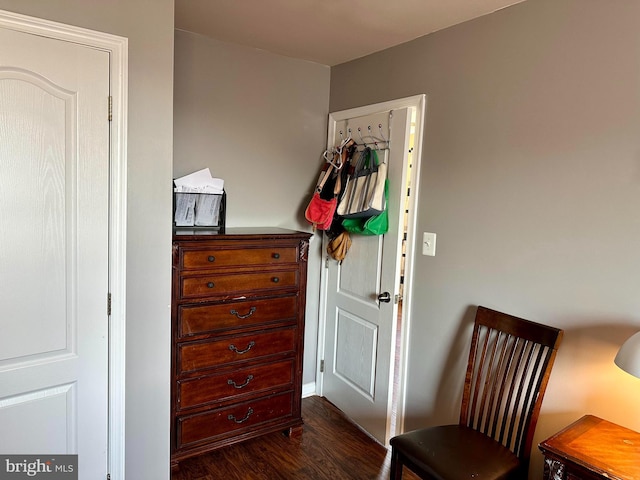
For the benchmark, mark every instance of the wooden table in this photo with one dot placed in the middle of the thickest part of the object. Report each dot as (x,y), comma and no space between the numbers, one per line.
(591,449)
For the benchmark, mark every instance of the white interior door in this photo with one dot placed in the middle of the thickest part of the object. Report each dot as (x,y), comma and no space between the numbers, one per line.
(359,329)
(54,208)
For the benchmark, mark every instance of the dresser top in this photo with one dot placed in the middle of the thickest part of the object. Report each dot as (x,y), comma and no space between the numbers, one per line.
(187,233)
(600,446)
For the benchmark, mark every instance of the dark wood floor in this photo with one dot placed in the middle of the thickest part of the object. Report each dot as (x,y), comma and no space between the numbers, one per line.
(331,447)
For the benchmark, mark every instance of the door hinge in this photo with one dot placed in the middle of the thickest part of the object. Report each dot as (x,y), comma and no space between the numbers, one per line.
(321,366)
(110,108)
(109,304)
(108,476)
(326,261)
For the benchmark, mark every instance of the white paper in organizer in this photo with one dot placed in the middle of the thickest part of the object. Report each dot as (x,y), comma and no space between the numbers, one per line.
(184,215)
(207,210)
(198,197)
(199,182)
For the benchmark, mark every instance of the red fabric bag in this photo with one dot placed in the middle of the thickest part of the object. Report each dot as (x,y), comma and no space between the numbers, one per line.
(320,212)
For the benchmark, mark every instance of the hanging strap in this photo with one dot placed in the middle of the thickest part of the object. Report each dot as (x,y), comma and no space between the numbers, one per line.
(324,178)
(340,158)
(336,188)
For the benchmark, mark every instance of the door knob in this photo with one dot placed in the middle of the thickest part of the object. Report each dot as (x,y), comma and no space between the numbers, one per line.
(384,297)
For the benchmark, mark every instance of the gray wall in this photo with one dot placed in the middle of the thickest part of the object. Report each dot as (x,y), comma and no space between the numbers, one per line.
(148,24)
(258,121)
(531,179)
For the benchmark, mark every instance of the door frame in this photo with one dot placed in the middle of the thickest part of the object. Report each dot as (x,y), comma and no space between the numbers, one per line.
(117,47)
(418,102)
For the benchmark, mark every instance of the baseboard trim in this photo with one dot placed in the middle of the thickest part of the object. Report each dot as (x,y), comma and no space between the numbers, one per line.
(308,389)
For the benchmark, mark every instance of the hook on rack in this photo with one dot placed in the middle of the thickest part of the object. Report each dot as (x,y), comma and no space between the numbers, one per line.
(344,143)
(382,134)
(366,139)
(375,140)
(386,140)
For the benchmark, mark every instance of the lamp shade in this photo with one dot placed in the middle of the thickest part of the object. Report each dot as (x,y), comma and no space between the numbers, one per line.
(628,357)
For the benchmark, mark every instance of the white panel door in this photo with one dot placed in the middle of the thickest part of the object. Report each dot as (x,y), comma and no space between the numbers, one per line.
(54,211)
(360,330)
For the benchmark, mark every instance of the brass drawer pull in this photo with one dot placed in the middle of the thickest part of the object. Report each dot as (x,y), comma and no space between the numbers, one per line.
(233,348)
(275,279)
(235,385)
(251,312)
(211,258)
(211,285)
(242,420)
(276,256)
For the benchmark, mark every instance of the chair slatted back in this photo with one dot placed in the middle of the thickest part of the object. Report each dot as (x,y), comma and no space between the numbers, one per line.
(510,362)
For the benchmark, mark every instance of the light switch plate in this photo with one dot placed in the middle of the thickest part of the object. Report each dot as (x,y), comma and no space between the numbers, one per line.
(429,244)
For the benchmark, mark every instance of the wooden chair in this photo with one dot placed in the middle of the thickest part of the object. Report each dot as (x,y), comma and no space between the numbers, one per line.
(510,362)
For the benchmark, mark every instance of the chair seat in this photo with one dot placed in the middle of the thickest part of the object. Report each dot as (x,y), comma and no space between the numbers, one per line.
(452,452)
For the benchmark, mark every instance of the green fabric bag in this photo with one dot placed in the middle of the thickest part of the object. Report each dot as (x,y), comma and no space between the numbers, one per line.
(376,225)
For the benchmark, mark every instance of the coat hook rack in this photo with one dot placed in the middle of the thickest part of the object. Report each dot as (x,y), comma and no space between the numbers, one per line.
(370,140)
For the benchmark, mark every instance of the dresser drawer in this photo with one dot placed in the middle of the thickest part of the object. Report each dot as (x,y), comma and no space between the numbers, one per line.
(200,319)
(211,258)
(217,285)
(241,382)
(194,356)
(227,421)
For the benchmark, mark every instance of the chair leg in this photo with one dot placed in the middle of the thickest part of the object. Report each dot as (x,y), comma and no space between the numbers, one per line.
(396,465)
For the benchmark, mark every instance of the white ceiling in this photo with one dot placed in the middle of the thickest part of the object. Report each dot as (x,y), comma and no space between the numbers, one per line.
(329,32)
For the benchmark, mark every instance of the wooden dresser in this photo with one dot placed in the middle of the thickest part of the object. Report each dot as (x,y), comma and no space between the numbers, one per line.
(592,449)
(237,330)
